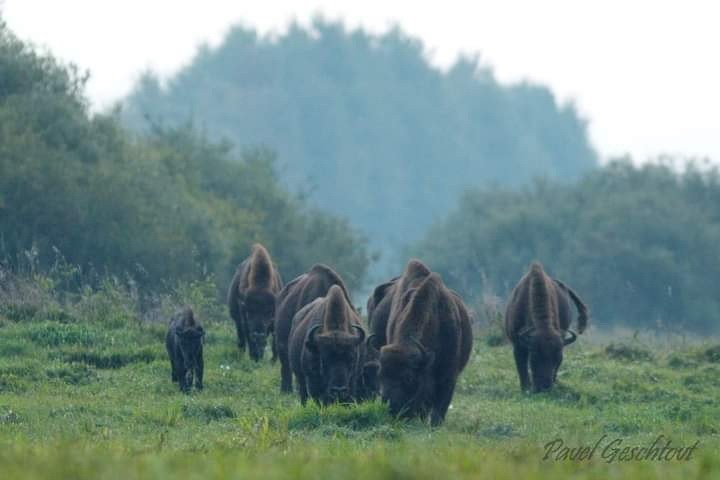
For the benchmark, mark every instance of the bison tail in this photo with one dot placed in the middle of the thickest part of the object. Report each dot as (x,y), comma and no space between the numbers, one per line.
(583,311)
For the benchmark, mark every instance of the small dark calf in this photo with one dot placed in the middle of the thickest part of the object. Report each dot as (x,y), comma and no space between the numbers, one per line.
(184,342)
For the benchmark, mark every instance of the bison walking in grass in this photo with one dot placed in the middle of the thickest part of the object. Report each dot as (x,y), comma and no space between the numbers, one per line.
(429,340)
(184,342)
(251,300)
(298,293)
(385,299)
(537,322)
(325,348)
(378,312)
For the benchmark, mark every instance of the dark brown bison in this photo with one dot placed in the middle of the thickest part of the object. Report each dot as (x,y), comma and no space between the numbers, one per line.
(429,341)
(324,349)
(378,312)
(251,300)
(537,322)
(301,291)
(184,342)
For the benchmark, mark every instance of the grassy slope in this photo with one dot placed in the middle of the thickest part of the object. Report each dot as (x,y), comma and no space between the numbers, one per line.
(83,400)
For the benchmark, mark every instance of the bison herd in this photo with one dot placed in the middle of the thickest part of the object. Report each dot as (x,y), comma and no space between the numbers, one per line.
(417,340)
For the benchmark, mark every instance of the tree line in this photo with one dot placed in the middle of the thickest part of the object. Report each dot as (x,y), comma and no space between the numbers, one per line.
(165,205)
(169,203)
(640,243)
(366,126)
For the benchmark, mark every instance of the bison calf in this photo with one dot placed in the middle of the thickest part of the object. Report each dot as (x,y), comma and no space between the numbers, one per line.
(537,322)
(184,342)
(325,348)
(429,341)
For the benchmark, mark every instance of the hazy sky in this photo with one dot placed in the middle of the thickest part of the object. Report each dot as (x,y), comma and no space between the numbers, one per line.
(646,74)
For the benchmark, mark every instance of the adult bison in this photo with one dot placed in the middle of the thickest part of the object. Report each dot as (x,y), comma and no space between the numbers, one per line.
(537,322)
(184,343)
(301,291)
(324,349)
(429,341)
(251,300)
(378,312)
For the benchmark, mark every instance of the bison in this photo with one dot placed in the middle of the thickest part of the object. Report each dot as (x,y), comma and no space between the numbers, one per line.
(298,293)
(378,312)
(251,300)
(324,349)
(537,322)
(184,342)
(429,340)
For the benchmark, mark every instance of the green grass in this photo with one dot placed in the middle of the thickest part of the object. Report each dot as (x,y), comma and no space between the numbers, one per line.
(84,399)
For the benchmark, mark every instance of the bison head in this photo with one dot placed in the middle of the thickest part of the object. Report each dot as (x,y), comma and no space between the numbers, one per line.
(368,376)
(336,361)
(546,355)
(405,379)
(259,309)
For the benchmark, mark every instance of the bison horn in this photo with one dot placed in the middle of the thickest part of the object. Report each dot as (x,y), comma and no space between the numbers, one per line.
(310,337)
(361,334)
(571,338)
(427,357)
(369,340)
(420,345)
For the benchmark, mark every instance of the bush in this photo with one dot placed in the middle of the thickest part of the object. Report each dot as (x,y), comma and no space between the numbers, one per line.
(73,374)
(638,244)
(165,206)
(111,359)
(628,352)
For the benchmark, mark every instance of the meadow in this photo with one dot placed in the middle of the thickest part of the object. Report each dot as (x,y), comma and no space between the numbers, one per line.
(85,392)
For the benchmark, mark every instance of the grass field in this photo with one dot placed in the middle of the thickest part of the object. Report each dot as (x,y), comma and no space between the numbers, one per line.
(91,398)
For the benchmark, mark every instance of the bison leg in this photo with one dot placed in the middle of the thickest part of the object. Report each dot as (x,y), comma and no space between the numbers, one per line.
(199,371)
(241,337)
(443,396)
(521,362)
(302,389)
(274,349)
(315,389)
(174,371)
(285,374)
(182,380)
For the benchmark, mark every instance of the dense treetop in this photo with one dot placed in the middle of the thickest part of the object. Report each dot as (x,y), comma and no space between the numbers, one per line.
(166,205)
(639,244)
(366,125)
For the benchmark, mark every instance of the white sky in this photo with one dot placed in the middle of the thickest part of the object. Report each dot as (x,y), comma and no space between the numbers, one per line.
(645,73)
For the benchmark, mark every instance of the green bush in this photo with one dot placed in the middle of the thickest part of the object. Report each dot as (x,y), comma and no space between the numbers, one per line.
(637,243)
(628,352)
(162,207)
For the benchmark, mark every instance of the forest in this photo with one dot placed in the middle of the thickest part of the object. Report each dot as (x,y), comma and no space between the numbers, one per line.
(640,243)
(162,206)
(365,127)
